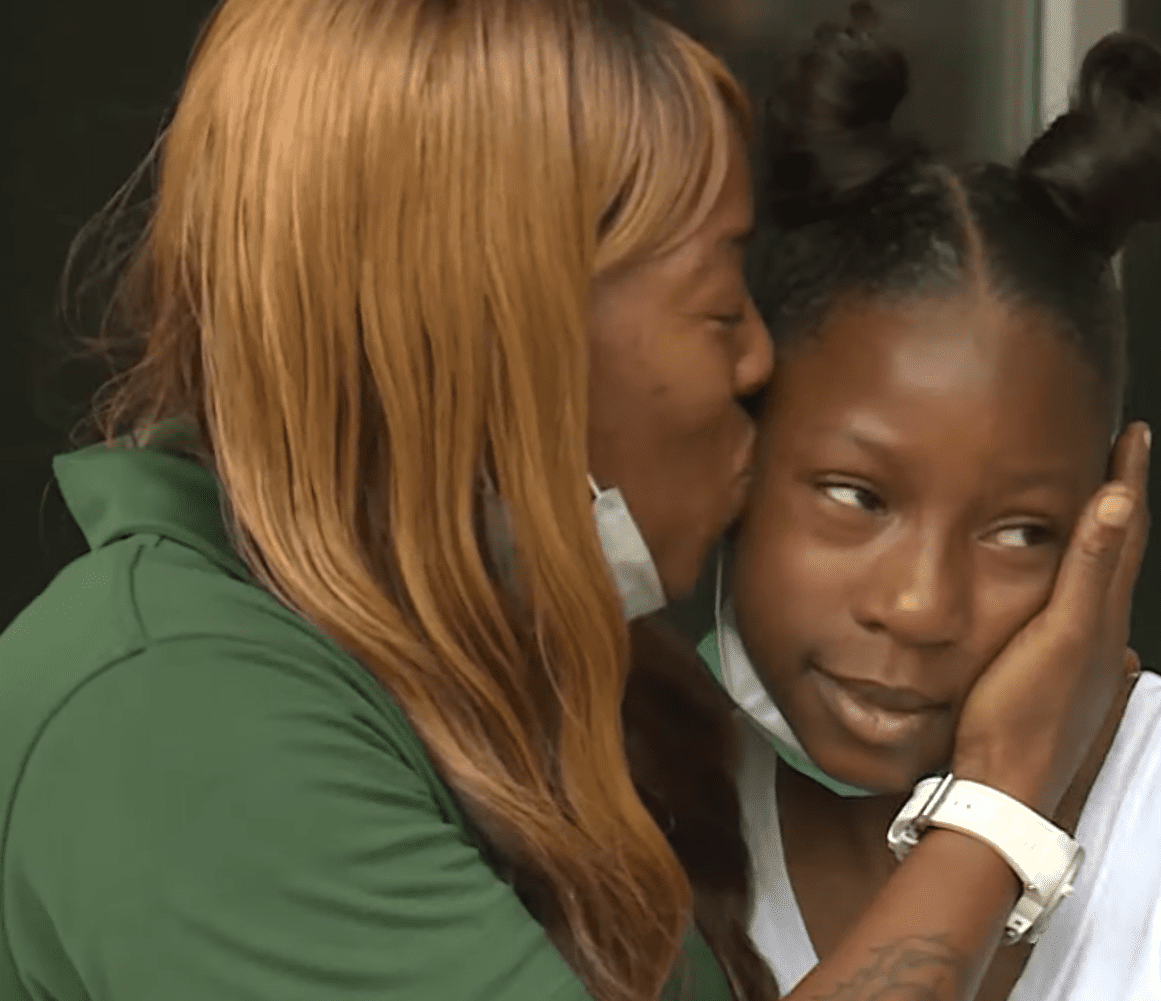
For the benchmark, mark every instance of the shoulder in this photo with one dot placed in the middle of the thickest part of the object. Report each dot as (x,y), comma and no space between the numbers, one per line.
(146,633)
(1123,812)
(1135,756)
(144,670)
(147,683)
(1106,940)
(224,804)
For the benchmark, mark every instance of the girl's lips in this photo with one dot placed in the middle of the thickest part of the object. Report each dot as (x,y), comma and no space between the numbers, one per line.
(872,714)
(896,698)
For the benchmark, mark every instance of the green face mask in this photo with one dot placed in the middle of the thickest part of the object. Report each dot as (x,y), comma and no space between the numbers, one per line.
(744,687)
(793,757)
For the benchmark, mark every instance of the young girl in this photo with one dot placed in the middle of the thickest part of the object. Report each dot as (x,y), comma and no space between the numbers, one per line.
(951,370)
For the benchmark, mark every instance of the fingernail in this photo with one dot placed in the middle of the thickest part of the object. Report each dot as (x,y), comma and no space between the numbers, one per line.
(1148,436)
(1115,510)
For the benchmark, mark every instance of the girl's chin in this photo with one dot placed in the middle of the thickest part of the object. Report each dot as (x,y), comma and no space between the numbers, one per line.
(882,779)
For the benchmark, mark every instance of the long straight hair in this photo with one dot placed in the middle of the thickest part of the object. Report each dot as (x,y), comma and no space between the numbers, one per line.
(366,277)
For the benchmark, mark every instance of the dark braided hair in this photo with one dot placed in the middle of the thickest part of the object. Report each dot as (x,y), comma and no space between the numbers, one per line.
(847,207)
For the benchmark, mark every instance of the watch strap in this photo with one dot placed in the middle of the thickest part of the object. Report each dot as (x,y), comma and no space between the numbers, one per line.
(1038,850)
(1043,856)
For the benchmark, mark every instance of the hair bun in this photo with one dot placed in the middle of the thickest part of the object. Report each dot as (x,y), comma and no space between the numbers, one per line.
(1100,163)
(828,124)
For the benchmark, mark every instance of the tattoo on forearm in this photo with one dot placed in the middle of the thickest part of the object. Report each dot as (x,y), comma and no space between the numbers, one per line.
(915,968)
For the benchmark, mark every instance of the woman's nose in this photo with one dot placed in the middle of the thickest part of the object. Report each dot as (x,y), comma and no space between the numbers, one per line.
(756,354)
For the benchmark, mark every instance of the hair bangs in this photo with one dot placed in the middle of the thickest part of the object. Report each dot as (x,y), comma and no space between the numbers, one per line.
(672,150)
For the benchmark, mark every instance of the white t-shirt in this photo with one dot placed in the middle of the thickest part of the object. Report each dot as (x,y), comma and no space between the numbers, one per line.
(1103,943)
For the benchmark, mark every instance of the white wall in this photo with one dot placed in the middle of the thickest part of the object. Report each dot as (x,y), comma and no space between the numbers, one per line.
(1069,28)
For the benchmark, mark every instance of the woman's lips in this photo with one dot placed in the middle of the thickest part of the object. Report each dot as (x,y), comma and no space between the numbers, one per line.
(742,485)
(744,475)
(872,713)
(745,463)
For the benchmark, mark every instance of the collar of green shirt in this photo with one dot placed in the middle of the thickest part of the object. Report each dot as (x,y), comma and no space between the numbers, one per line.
(122,489)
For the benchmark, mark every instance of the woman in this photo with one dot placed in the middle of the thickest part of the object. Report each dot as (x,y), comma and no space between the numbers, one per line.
(951,374)
(420,276)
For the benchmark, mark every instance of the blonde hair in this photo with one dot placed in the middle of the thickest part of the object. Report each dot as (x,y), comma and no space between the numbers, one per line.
(367,277)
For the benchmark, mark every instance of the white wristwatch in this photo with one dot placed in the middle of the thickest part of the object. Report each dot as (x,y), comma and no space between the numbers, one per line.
(1044,857)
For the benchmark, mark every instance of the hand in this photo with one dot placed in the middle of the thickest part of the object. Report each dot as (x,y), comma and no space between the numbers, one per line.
(1032,716)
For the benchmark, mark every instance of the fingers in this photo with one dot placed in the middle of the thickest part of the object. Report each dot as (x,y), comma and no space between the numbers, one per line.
(1131,467)
(1080,597)
(1132,664)
(1129,452)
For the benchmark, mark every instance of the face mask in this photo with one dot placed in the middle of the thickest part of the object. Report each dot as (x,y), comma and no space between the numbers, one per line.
(628,557)
(498,538)
(723,649)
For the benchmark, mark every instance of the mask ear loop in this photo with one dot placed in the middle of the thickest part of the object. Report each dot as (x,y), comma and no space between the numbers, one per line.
(795,757)
(593,487)
(718,609)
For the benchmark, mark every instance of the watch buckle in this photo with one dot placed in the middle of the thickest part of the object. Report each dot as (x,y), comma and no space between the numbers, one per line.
(904,837)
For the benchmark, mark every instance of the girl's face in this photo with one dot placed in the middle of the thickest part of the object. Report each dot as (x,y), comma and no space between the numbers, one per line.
(921,466)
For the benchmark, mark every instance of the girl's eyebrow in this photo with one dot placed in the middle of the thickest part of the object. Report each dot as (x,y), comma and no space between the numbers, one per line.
(885,448)
(860,440)
(1058,476)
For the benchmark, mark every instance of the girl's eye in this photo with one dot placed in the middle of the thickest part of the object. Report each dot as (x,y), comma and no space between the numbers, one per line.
(1022,536)
(852,496)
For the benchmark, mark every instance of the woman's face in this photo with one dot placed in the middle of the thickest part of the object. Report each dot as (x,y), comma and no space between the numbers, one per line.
(676,343)
(921,468)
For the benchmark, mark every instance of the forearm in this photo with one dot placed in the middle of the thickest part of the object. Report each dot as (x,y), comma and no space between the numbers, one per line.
(931,932)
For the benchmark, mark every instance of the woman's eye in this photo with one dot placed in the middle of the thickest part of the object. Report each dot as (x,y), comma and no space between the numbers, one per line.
(730,320)
(1022,536)
(852,496)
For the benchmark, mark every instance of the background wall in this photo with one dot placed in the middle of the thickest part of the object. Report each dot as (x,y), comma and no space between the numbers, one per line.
(1069,28)
(1142,277)
(89,84)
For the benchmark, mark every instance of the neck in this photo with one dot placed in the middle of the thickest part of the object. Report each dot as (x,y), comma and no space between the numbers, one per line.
(854,827)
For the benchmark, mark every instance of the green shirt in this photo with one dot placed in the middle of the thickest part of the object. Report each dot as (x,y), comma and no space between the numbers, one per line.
(202,798)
